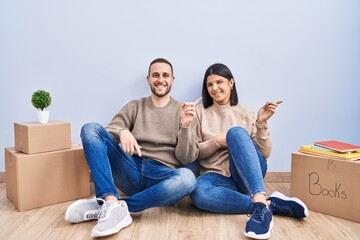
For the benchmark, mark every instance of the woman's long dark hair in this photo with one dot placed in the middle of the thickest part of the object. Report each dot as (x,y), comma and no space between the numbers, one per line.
(223,71)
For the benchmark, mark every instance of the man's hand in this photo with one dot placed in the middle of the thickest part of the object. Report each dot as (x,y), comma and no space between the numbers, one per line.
(129,143)
(266,111)
(188,112)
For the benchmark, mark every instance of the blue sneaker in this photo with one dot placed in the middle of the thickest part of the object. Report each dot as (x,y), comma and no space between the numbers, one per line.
(287,206)
(260,223)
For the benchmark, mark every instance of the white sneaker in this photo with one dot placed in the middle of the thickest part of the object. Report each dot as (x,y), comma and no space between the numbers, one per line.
(83,210)
(113,217)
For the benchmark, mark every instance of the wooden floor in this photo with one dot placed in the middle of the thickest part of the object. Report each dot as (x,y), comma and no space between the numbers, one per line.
(181,221)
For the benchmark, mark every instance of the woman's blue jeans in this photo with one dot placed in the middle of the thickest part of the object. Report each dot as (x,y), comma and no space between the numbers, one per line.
(217,193)
(148,183)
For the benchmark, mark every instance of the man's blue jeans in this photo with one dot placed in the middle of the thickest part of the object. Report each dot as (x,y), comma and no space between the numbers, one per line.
(217,193)
(148,183)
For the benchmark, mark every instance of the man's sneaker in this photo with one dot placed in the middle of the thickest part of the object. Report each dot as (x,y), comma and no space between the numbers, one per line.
(113,217)
(83,210)
(260,223)
(287,206)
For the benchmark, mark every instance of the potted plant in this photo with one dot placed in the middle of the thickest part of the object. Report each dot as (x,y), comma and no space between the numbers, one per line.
(41,100)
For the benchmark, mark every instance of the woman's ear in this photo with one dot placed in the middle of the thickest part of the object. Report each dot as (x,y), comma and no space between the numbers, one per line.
(231,83)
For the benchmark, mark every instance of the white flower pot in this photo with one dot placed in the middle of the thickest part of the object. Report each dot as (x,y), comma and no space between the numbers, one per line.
(43,116)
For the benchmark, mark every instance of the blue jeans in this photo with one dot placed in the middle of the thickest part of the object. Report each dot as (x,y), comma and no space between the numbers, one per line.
(217,193)
(148,183)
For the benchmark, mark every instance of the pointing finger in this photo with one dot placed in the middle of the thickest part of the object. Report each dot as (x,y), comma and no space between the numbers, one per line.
(197,101)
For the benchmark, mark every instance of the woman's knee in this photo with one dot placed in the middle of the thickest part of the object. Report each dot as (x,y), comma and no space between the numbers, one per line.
(200,195)
(237,133)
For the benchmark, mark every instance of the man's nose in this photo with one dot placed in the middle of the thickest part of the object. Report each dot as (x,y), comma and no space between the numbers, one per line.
(161,79)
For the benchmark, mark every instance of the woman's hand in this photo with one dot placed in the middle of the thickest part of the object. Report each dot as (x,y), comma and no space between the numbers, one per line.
(221,140)
(266,111)
(188,112)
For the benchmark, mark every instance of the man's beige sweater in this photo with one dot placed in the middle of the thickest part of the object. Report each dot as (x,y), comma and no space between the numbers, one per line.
(157,131)
(217,120)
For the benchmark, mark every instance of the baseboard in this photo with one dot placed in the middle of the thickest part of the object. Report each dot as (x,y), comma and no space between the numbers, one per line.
(271,177)
(277,177)
(2,177)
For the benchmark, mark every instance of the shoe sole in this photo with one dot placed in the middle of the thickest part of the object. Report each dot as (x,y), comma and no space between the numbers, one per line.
(260,236)
(298,201)
(73,205)
(124,223)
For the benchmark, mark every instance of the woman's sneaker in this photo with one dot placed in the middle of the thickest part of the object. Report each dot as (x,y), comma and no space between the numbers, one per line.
(260,223)
(113,216)
(83,210)
(287,206)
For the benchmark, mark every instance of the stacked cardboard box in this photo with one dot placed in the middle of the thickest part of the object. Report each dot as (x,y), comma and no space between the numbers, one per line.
(45,168)
(327,185)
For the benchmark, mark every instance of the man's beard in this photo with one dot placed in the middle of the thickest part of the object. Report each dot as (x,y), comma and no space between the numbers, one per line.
(153,90)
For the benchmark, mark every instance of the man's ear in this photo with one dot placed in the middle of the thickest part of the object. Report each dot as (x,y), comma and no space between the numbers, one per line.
(147,79)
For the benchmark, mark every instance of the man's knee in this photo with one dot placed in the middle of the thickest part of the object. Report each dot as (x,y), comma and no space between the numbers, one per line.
(89,128)
(187,179)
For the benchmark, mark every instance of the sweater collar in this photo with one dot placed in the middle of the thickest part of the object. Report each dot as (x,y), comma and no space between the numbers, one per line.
(221,108)
(150,103)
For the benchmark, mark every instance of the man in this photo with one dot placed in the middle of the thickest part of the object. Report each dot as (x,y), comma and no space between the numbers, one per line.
(156,137)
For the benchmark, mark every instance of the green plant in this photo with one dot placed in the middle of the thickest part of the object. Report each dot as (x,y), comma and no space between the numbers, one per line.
(41,99)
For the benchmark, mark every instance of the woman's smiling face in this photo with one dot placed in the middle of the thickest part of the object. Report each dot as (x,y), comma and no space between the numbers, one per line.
(219,88)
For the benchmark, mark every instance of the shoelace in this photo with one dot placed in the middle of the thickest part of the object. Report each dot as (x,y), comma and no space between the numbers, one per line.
(95,214)
(103,210)
(257,213)
(281,210)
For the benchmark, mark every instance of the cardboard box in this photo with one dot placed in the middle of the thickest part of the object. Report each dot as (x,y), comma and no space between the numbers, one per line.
(326,185)
(33,137)
(43,179)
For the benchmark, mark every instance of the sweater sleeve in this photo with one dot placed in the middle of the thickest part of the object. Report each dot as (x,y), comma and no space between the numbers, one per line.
(122,120)
(207,147)
(261,137)
(186,150)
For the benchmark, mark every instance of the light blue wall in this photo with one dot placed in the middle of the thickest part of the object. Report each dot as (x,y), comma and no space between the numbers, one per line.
(93,57)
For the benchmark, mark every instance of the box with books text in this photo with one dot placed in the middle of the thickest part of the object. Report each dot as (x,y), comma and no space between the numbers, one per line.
(327,185)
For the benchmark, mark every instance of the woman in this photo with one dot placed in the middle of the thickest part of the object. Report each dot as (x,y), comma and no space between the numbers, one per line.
(234,144)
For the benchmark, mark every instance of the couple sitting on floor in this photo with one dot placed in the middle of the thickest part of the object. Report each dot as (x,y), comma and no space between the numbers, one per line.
(143,149)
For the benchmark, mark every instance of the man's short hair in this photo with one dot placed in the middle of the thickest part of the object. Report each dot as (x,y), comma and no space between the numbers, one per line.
(161,60)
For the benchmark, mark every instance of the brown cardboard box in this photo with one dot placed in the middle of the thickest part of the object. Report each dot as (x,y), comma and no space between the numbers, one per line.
(326,185)
(33,137)
(38,180)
